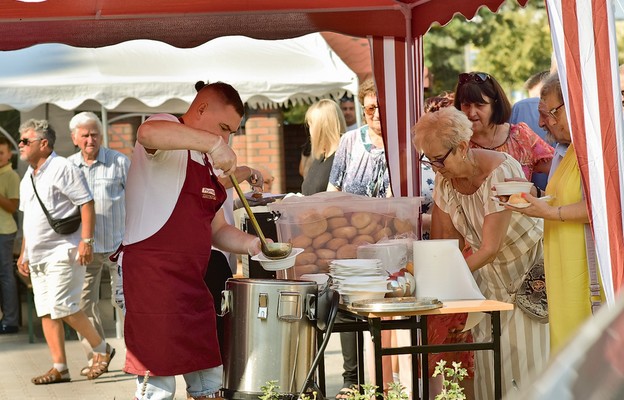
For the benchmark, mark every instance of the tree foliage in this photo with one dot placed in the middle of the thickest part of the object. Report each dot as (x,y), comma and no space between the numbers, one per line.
(511,45)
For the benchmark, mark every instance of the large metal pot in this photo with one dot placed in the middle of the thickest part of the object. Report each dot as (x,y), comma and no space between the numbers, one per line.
(269,335)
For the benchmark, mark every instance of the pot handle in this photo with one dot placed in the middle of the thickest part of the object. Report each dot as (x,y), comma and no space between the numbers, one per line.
(311,306)
(226,298)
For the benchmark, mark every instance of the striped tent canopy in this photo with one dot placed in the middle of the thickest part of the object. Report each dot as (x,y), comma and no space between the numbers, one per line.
(583,34)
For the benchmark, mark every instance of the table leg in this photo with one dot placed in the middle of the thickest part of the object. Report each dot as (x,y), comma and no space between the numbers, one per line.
(415,359)
(496,333)
(360,356)
(375,331)
(424,357)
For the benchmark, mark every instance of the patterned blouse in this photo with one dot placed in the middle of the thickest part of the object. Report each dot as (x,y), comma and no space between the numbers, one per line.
(525,146)
(359,167)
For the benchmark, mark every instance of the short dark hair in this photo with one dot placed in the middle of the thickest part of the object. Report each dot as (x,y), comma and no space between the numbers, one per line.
(4,140)
(226,92)
(473,92)
(347,99)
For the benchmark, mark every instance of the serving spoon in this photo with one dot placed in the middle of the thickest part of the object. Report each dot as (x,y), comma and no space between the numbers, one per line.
(273,251)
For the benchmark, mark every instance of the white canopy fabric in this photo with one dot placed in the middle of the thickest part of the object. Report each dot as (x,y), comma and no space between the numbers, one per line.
(265,72)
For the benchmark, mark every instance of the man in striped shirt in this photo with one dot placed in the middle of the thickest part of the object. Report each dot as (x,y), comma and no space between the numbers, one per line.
(105,171)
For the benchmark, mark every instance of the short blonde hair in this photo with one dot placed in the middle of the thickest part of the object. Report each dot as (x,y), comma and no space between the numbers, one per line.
(448,126)
(327,124)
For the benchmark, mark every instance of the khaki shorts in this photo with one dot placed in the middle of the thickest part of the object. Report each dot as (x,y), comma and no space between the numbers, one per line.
(57,284)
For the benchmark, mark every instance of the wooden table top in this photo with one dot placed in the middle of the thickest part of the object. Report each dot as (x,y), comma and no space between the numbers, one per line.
(448,307)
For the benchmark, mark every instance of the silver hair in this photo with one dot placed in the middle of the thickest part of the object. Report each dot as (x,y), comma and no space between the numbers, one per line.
(84,118)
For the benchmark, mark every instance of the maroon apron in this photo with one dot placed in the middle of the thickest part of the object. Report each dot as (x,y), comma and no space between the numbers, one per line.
(170,326)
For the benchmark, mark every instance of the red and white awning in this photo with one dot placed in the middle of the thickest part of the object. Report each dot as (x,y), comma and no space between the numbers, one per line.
(584,40)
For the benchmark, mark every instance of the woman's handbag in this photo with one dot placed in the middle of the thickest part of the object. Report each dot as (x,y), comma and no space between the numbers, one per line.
(64,226)
(531,294)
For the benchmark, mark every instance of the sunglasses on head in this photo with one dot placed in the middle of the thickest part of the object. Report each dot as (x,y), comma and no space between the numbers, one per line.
(478,77)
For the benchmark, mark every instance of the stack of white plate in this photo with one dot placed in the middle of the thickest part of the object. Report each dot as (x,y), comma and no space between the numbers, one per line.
(359,279)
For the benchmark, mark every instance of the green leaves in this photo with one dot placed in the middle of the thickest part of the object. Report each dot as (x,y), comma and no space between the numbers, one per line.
(451,390)
(511,45)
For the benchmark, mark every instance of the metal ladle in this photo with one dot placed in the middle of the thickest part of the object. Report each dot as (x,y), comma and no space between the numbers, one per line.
(273,251)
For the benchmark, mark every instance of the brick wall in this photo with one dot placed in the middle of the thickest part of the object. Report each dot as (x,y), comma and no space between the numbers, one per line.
(121,137)
(262,144)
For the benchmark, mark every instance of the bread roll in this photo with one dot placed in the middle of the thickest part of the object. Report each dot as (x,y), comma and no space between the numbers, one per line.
(346,232)
(320,240)
(301,241)
(326,253)
(305,258)
(312,224)
(370,228)
(402,225)
(333,211)
(336,222)
(383,233)
(323,264)
(347,251)
(363,239)
(517,198)
(336,243)
(360,219)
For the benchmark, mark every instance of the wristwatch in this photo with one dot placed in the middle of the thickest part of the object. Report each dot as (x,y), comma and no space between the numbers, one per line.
(89,241)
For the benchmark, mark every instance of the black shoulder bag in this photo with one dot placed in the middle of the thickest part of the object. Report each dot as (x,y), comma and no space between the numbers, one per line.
(64,226)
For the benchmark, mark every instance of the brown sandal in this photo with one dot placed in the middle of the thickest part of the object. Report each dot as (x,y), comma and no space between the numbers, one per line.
(52,376)
(101,362)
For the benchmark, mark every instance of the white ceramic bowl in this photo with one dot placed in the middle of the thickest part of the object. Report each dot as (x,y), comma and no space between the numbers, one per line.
(349,296)
(509,188)
(277,265)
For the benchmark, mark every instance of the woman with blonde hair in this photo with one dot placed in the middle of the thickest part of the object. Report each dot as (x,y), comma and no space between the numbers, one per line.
(326,123)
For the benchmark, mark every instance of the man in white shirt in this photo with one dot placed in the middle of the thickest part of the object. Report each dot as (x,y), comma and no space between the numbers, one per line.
(173,217)
(106,171)
(56,261)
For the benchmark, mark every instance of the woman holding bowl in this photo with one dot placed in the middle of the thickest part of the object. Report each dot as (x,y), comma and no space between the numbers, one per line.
(504,244)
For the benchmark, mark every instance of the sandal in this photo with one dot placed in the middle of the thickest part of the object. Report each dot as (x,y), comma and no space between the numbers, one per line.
(101,362)
(85,370)
(52,376)
(346,393)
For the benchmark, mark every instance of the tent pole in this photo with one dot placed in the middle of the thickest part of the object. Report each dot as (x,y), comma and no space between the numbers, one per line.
(104,126)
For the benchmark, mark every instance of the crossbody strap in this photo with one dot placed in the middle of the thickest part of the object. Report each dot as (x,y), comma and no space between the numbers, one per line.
(45,211)
(594,286)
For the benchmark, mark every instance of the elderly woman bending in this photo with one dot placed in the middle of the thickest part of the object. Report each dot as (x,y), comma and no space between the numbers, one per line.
(505,244)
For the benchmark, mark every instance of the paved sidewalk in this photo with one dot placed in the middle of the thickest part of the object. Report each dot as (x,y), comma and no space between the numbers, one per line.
(20,361)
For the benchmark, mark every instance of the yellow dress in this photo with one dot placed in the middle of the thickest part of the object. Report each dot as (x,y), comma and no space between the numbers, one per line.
(565,259)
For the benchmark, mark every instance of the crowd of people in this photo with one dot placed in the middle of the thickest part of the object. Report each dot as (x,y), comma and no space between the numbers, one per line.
(172,206)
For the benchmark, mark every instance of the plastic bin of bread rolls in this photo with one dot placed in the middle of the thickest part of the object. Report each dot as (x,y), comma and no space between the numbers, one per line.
(332,225)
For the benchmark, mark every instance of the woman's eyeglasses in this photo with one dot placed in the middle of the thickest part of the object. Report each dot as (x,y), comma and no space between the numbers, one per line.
(478,77)
(438,162)
(27,142)
(370,110)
